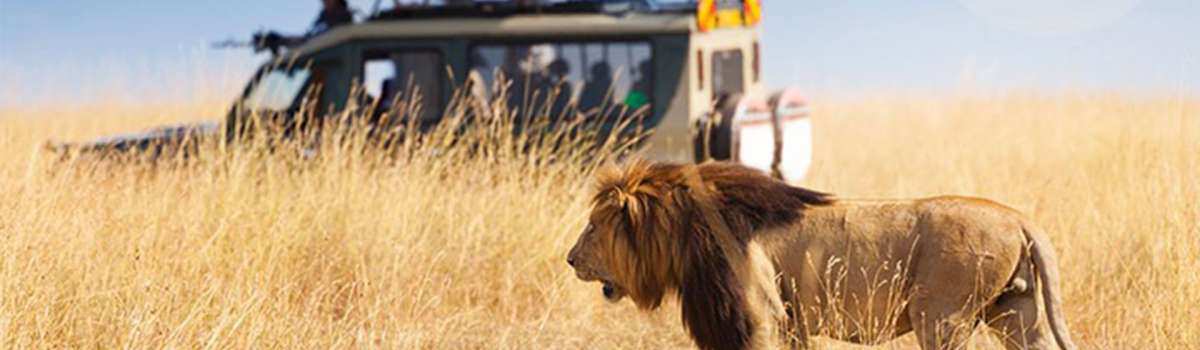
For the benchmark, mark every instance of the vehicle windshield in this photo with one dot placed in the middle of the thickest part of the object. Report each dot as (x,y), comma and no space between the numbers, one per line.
(277,90)
(589,77)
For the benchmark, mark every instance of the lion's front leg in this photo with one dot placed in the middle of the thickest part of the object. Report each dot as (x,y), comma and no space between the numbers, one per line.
(773,330)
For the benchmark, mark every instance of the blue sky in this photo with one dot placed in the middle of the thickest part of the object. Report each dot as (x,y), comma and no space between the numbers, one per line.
(865,46)
(74,49)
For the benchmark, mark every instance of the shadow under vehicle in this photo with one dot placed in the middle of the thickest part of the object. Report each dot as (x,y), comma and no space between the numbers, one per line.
(691,69)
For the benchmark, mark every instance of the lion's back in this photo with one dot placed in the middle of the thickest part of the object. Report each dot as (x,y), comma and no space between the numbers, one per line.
(966,240)
(966,215)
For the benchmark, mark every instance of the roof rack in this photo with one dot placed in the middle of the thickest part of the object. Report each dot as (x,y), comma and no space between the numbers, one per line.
(493,9)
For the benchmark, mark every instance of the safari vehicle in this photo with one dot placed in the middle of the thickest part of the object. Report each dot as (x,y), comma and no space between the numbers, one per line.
(692,68)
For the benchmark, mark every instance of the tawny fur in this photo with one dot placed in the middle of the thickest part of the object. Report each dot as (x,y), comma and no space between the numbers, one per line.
(756,263)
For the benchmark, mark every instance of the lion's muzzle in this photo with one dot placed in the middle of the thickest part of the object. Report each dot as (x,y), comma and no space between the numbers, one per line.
(612,292)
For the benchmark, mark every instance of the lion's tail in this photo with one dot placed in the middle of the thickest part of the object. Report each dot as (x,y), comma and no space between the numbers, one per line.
(1046,264)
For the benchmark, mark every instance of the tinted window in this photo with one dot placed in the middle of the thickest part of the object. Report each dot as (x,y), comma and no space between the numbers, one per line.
(563,77)
(728,68)
(277,90)
(403,75)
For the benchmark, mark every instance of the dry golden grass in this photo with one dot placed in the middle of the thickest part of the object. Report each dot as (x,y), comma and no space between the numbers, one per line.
(444,252)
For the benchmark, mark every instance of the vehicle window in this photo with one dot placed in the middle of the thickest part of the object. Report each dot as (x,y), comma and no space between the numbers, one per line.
(277,90)
(404,75)
(560,77)
(728,70)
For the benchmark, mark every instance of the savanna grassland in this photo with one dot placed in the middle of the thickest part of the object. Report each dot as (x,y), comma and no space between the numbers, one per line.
(238,250)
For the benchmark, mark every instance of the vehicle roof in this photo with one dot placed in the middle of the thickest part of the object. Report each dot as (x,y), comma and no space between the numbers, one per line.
(514,27)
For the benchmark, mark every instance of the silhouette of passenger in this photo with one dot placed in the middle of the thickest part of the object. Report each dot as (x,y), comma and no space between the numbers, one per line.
(387,93)
(597,87)
(334,13)
(640,94)
(515,77)
(559,88)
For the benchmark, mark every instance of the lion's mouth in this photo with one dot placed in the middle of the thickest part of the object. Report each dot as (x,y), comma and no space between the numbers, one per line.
(611,292)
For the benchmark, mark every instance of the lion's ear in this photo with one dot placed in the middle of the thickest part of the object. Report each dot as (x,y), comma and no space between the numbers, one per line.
(623,199)
(632,207)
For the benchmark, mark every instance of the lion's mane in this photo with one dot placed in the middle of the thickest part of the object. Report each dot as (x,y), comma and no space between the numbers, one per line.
(685,229)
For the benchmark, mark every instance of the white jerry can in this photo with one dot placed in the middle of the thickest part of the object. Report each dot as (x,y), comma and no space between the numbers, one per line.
(774,135)
(796,129)
(753,141)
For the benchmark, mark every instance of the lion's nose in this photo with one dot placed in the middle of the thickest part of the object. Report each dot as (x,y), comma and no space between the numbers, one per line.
(571,261)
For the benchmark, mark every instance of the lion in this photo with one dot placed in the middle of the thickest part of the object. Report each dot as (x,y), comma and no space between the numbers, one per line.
(747,257)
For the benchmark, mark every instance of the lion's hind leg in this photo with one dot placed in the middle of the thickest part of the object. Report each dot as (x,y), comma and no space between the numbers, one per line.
(941,326)
(946,304)
(1017,316)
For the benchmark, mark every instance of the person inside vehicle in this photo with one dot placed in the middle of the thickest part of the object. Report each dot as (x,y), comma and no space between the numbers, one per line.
(639,96)
(596,90)
(334,13)
(559,90)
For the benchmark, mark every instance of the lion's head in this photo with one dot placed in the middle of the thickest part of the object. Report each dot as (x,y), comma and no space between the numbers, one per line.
(622,247)
(659,227)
